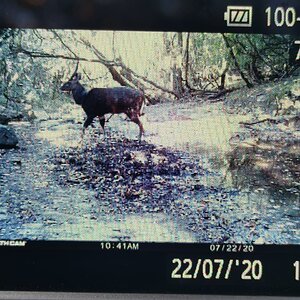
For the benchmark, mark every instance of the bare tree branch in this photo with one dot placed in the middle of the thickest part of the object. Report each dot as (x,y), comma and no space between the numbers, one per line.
(108,63)
(125,77)
(248,83)
(63,43)
(35,54)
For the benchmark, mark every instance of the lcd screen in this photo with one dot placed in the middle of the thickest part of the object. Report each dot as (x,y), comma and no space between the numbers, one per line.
(153,159)
(149,137)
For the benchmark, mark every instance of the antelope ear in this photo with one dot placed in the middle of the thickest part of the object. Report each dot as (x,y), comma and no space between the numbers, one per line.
(78,76)
(75,77)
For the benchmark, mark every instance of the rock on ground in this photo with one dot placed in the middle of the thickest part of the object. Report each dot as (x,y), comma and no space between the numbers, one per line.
(8,138)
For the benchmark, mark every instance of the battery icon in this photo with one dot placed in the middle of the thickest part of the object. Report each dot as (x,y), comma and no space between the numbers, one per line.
(239,16)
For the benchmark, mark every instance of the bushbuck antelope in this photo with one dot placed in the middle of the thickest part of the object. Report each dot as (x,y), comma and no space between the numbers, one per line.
(100,101)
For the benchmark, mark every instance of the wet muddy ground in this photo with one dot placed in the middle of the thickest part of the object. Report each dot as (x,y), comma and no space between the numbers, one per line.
(175,186)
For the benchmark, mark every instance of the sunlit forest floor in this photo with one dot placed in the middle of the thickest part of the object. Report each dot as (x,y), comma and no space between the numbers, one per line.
(198,176)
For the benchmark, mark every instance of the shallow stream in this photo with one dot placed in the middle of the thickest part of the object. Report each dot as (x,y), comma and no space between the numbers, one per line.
(35,206)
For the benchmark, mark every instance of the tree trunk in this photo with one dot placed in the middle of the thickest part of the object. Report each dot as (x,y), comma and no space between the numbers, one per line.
(177,58)
(117,76)
(177,81)
(187,61)
(223,79)
(255,72)
(248,83)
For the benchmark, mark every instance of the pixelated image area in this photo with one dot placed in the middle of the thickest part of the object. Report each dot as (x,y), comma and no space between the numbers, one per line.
(218,161)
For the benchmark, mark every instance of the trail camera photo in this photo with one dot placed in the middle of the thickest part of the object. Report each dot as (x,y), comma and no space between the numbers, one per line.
(149,136)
